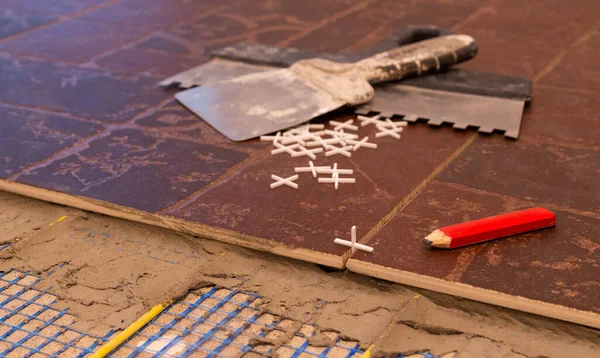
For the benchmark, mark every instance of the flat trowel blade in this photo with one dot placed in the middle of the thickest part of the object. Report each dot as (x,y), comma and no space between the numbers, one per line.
(249,106)
(214,71)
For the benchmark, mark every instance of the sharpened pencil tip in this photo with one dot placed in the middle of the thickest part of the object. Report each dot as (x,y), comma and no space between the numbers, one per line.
(427,242)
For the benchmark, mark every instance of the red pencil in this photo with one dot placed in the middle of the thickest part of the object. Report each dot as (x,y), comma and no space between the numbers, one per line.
(490,228)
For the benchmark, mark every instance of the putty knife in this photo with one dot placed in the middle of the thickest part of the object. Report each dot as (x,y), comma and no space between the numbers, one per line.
(244,58)
(265,102)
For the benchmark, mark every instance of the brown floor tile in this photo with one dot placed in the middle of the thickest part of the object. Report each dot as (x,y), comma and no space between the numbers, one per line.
(14,20)
(514,39)
(166,157)
(544,173)
(61,7)
(180,123)
(160,55)
(222,29)
(577,69)
(313,215)
(513,59)
(140,60)
(28,137)
(83,92)
(562,116)
(382,17)
(136,170)
(159,42)
(558,265)
(308,12)
(72,40)
(171,116)
(152,14)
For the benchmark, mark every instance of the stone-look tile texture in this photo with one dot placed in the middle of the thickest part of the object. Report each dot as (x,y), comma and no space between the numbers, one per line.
(557,265)
(81,114)
(59,7)
(554,164)
(28,137)
(134,169)
(312,216)
(14,20)
(83,92)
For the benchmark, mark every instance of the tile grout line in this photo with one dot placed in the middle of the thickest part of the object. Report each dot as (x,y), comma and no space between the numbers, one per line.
(107,130)
(559,58)
(340,15)
(228,175)
(568,89)
(558,207)
(61,18)
(21,56)
(556,143)
(91,62)
(477,13)
(548,68)
(408,198)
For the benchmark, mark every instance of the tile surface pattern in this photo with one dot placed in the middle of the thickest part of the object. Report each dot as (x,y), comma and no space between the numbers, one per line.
(80,113)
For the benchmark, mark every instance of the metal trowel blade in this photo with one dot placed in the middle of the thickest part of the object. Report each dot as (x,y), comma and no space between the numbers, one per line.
(252,105)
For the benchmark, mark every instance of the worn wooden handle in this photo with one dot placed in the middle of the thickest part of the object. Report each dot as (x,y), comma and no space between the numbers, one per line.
(418,58)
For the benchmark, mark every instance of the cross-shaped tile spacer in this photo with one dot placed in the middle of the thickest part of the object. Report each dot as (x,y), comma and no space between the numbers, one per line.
(345,125)
(342,150)
(393,132)
(364,120)
(362,143)
(353,244)
(284,181)
(311,168)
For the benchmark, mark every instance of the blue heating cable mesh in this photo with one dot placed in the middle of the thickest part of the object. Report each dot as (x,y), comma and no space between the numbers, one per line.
(30,326)
(221,323)
(212,323)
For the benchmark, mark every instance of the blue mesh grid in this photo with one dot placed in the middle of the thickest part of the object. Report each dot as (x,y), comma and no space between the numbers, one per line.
(212,323)
(217,323)
(29,325)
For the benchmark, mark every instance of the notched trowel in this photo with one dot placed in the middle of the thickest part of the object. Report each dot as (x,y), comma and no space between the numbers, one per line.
(265,102)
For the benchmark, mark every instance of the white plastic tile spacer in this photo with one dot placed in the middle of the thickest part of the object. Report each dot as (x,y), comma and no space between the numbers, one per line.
(308,152)
(328,170)
(388,132)
(271,138)
(362,143)
(315,126)
(341,134)
(339,180)
(335,176)
(318,133)
(277,138)
(295,139)
(283,149)
(338,171)
(325,143)
(389,124)
(342,150)
(311,168)
(345,125)
(284,181)
(352,244)
(364,120)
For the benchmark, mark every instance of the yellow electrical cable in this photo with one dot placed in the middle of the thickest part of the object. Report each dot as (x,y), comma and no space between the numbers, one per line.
(367,354)
(131,330)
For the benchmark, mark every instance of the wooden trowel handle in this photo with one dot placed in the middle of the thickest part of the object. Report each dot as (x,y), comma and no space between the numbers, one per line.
(418,58)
